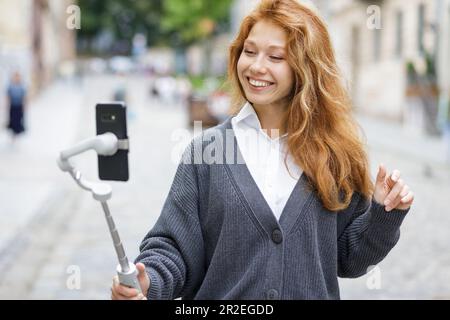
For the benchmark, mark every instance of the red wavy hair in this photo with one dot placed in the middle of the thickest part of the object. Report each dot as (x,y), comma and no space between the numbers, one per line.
(323,137)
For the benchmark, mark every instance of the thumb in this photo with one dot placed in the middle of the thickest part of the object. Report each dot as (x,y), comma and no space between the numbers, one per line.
(381,176)
(142,276)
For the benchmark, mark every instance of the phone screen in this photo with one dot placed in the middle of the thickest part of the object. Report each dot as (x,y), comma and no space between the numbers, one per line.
(111,117)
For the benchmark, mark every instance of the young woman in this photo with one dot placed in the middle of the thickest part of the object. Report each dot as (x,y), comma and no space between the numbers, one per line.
(288,219)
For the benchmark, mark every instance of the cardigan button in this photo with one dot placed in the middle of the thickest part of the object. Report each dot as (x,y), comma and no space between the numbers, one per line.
(277,236)
(272,294)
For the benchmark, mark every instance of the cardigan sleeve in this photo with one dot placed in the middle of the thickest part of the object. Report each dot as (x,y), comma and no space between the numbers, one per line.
(173,250)
(367,239)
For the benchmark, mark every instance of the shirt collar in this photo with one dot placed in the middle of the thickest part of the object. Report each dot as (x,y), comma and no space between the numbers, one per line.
(248,116)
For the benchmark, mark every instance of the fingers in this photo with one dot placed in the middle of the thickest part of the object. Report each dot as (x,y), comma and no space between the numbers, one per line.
(115,296)
(121,292)
(393,178)
(400,195)
(381,174)
(398,200)
(404,192)
(394,197)
(380,187)
(408,199)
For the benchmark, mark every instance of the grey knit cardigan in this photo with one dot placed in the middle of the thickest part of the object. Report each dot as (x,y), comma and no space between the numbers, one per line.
(217,238)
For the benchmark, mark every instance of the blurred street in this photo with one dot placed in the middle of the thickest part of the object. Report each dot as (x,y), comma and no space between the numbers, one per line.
(51,229)
(168,61)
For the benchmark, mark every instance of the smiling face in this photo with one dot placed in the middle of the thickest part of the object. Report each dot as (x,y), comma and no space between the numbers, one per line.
(263,71)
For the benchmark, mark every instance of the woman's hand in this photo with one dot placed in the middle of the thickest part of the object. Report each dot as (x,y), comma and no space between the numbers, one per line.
(120,292)
(391,191)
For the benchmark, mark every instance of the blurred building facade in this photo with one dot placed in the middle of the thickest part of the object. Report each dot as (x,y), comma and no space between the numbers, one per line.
(197,55)
(239,10)
(375,59)
(35,39)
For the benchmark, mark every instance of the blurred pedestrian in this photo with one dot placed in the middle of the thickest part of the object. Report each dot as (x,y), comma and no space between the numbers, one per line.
(16,100)
(166,86)
(184,91)
(154,91)
(444,118)
(120,94)
(120,90)
(289,219)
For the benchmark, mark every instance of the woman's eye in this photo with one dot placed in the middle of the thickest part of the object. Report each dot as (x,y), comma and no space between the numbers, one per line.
(276,58)
(249,52)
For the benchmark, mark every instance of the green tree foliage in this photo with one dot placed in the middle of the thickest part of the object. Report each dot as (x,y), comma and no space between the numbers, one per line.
(123,18)
(176,23)
(194,20)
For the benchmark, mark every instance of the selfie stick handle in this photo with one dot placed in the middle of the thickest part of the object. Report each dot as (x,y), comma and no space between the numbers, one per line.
(126,271)
(106,145)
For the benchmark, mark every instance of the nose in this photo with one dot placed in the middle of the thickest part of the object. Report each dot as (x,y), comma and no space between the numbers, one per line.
(258,67)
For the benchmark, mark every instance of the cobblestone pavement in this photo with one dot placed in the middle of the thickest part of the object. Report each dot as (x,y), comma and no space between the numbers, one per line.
(70,237)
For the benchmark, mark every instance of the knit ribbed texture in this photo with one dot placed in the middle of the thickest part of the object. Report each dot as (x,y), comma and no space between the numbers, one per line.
(216,237)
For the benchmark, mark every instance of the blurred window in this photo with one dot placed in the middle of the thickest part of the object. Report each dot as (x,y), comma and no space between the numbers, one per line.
(421,28)
(399,34)
(376,44)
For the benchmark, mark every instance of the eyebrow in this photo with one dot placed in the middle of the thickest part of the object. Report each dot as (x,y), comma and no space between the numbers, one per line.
(271,46)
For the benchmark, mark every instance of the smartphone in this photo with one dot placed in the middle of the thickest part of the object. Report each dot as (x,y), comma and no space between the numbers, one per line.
(112,117)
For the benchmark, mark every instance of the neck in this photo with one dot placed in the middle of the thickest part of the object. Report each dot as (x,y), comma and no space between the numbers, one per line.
(272,119)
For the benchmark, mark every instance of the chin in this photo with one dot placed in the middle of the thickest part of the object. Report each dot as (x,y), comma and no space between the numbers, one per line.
(257,100)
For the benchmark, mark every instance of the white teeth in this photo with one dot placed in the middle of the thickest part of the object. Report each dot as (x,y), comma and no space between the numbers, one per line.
(259,83)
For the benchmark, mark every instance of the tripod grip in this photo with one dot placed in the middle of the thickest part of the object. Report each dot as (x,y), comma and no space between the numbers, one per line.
(129,278)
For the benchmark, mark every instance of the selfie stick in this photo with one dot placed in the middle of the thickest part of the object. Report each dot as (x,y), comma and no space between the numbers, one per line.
(105,145)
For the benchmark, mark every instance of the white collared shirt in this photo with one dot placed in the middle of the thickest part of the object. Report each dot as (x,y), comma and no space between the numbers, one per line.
(264,157)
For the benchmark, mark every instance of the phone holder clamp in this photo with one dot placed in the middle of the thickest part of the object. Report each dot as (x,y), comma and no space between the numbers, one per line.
(105,145)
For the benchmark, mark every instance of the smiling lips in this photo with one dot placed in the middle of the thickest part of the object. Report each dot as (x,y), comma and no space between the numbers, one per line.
(259,84)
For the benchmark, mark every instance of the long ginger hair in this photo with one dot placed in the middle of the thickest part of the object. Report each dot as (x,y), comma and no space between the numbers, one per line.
(323,137)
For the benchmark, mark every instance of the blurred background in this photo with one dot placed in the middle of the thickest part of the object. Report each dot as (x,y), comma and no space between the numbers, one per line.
(167,60)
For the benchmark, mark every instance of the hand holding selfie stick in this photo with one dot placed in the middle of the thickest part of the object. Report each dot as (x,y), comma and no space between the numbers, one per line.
(105,145)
